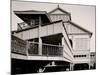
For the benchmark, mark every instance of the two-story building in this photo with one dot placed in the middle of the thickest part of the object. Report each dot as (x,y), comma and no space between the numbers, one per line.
(49,42)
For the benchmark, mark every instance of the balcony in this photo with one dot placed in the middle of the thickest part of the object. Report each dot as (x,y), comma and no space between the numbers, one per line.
(32,48)
(18,45)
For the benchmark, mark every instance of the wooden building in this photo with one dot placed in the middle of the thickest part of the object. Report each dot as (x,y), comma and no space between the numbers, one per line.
(49,41)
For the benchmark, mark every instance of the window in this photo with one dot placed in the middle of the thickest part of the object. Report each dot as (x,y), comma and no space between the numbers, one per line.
(76,56)
(71,42)
(32,22)
(36,21)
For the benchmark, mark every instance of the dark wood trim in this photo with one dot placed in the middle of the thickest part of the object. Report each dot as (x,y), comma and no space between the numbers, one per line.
(78,34)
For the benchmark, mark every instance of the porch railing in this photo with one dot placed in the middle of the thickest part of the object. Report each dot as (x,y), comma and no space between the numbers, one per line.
(18,45)
(47,49)
(32,48)
(52,50)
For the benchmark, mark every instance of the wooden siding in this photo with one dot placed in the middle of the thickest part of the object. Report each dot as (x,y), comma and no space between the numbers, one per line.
(67,46)
(81,44)
(56,17)
(66,51)
(18,45)
(47,30)
(73,29)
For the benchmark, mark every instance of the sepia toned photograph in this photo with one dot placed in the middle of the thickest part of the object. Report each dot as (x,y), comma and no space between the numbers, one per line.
(52,37)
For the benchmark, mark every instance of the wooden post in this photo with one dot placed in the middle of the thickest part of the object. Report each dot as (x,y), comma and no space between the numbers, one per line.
(27,47)
(71,66)
(62,43)
(89,56)
(40,40)
(53,63)
(40,46)
(89,60)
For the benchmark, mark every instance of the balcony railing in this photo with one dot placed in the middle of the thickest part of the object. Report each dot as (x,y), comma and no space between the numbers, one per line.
(18,45)
(47,49)
(52,50)
(31,48)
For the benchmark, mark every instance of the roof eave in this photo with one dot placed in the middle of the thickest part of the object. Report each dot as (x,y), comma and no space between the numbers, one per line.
(33,13)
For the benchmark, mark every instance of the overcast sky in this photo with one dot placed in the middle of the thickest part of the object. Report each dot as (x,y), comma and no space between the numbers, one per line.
(80,14)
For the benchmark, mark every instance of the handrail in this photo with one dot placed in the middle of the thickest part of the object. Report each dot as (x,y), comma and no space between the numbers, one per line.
(47,44)
(32,48)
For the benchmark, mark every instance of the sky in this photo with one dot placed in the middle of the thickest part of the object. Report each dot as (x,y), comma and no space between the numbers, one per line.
(83,15)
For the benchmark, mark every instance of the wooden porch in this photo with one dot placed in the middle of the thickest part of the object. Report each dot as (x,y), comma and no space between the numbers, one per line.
(30,51)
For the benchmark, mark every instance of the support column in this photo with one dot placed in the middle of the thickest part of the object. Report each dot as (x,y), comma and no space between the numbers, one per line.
(53,63)
(89,65)
(89,62)
(27,47)
(71,66)
(40,46)
(62,41)
(40,40)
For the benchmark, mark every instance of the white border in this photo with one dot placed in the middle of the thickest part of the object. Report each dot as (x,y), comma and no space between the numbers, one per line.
(5,36)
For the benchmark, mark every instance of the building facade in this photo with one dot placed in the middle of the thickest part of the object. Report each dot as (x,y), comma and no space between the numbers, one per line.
(49,42)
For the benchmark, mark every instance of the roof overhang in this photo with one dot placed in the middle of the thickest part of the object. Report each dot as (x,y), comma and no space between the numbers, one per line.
(29,12)
(24,15)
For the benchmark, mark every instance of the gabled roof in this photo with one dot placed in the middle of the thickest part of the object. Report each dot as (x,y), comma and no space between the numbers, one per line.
(58,8)
(76,25)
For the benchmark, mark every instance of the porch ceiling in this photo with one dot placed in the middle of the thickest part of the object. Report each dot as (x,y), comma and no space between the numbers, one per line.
(52,39)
